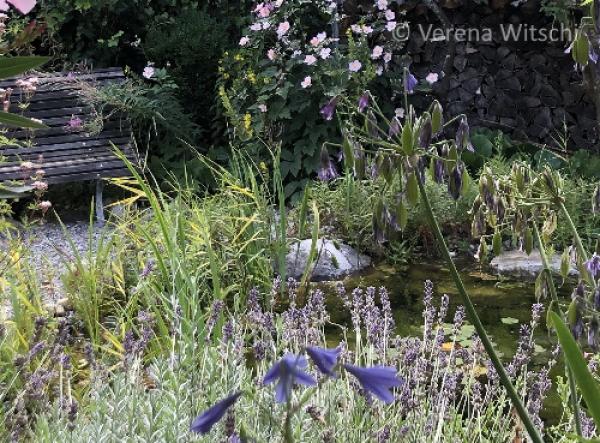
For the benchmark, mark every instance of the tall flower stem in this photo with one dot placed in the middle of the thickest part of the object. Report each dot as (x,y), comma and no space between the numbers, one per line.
(534,434)
(554,296)
(578,243)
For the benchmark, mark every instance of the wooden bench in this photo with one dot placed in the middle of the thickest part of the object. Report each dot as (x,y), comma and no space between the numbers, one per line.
(67,151)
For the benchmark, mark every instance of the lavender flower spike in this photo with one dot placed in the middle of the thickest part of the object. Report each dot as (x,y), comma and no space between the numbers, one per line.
(328,111)
(327,170)
(593,265)
(287,372)
(363,102)
(204,422)
(377,380)
(324,359)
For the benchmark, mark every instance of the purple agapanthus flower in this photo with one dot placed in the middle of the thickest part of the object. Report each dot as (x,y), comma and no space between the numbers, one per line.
(593,265)
(463,140)
(376,380)
(327,170)
(287,372)
(394,128)
(324,359)
(204,422)
(363,102)
(328,111)
(411,83)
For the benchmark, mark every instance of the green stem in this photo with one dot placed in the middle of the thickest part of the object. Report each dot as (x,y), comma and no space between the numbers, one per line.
(554,296)
(534,434)
(578,243)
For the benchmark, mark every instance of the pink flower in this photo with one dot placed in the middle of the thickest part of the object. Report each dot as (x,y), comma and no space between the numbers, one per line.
(27,166)
(355,66)
(256,27)
(283,29)
(310,60)
(23,6)
(148,72)
(399,112)
(40,186)
(271,54)
(74,123)
(44,205)
(432,78)
(262,107)
(325,53)
(244,41)
(387,57)
(382,4)
(390,15)
(391,26)
(377,52)
(307,82)
(314,41)
(379,70)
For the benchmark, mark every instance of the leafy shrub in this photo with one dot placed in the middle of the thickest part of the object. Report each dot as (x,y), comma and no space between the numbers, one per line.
(191,46)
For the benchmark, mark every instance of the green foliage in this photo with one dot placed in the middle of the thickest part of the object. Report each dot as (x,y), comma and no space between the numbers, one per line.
(106,32)
(191,45)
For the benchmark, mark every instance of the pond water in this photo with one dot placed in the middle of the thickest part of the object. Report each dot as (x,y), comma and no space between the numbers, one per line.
(502,304)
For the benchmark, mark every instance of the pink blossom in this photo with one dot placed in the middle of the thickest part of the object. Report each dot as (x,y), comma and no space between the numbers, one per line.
(307,82)
(244,41)
(262,107)
(432,78)
(148,72)
(23,6)
(382,4)
(44,205)
(387,57)
(314,41)
(271,54)
(399,112)
(379,70)
(27,166)
(390,15)
(74,123)
(377,52)
(325,53)
(355,66)
(310,60)
(391,26)
(256,27)
(283,29)
(40,186)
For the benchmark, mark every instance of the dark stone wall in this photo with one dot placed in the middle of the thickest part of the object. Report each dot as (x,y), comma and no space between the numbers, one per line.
(527,89)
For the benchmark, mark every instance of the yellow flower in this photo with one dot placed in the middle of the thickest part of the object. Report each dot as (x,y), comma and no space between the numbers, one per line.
(238,58)
(248,122)
(263,166)
(251,77)
(226,76)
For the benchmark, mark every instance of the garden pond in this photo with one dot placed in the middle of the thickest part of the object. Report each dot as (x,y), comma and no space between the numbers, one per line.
(503,304)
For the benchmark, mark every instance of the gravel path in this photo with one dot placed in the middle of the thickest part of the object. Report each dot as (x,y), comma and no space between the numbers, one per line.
(50,250)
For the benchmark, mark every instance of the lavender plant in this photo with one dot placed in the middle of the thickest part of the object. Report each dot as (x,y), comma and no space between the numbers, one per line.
(386,388)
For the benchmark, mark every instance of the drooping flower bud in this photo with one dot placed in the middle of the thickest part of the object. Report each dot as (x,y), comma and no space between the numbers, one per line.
(463,139)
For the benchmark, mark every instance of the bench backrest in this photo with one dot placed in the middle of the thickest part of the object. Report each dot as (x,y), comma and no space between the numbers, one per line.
(66,151)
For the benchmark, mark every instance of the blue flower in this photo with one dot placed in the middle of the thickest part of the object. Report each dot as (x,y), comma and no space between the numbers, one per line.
(593,265)
(324,359)
(286,372)
(411,83)
(376,380)
(204,422)
(363,102)
(327,170)
(328,110)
